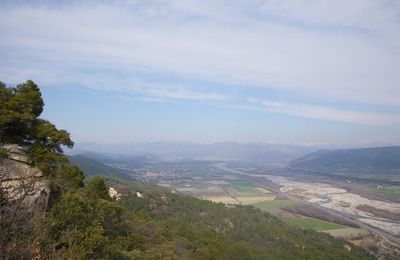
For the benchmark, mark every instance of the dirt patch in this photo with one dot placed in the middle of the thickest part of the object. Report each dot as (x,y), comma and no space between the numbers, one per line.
(222,199)
(349,233)
(252,200)
(381,213)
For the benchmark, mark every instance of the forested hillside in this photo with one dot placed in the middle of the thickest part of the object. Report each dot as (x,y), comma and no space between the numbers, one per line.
(92,167)
(378,159)
(84,222)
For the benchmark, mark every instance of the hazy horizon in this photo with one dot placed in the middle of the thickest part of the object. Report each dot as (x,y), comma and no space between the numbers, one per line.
(193,149)
(322,145)
(292,72)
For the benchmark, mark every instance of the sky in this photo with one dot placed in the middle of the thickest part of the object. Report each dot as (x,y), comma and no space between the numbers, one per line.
(300,71)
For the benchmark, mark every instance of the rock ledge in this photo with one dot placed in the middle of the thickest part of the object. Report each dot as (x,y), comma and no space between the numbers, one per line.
(21,181)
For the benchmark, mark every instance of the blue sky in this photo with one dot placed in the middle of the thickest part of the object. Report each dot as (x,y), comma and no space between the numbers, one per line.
(306,72)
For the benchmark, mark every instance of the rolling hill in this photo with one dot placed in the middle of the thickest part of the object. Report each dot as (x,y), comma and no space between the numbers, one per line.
(92,167)
(363,160)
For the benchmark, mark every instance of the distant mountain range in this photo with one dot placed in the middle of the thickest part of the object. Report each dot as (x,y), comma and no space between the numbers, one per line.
(262,152)
(377,160)
(358,162)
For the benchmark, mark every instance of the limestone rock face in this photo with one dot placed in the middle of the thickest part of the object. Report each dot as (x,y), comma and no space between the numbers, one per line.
(113,193)
(21,181)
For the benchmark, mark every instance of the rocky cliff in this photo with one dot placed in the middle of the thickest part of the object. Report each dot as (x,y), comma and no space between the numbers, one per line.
(20,181)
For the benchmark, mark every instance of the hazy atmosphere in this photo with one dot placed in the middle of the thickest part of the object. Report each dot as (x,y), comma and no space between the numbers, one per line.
(214,129)
(305,72)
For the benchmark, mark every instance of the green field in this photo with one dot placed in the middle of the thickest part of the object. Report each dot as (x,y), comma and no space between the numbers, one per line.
(244,188)
(385,192)
(273,205)
(241,185)
(389,193)
(313,223)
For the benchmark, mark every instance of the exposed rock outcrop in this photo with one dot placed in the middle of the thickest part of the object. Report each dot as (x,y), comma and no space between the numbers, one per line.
(113,193)
(22,182)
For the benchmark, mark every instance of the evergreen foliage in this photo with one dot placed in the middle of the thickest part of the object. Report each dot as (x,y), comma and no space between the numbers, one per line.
(20,107)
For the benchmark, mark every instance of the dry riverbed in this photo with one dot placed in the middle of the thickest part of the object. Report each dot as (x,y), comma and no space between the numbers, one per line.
(338,199)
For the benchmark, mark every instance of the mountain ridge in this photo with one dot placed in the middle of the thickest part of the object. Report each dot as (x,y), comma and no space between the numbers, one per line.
(215,151)
(380,159)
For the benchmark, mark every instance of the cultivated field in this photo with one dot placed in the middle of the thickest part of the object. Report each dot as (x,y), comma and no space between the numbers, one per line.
(273,206)
(226,191)
(237,189)
(313,223)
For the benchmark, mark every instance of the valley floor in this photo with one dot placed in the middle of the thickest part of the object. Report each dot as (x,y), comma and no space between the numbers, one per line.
(363,220)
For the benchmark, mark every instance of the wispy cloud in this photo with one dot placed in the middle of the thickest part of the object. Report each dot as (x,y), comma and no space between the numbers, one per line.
(153,90)
(181,93)
(324,113)
(338,51)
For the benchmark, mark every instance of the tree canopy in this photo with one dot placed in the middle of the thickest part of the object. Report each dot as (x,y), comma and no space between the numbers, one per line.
(20,123)
(20,108)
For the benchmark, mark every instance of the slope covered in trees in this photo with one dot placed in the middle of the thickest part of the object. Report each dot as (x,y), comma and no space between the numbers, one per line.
(92,167)
(83,222)
(378,160)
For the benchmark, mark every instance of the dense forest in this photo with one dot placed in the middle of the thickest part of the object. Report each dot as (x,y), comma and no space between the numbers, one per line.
(81,220)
